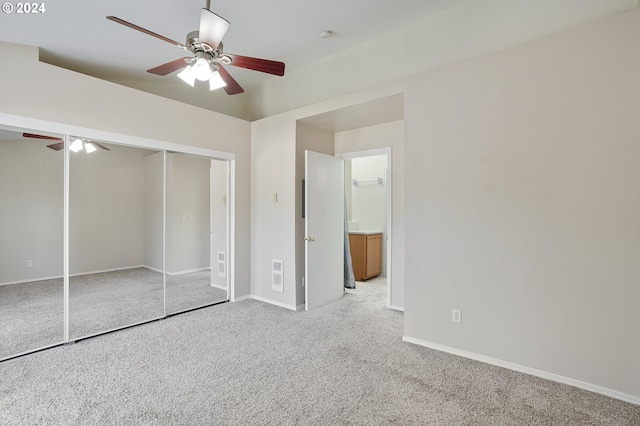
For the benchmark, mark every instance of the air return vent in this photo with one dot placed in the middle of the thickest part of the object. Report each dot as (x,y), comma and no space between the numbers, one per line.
(277,276)
(222,264)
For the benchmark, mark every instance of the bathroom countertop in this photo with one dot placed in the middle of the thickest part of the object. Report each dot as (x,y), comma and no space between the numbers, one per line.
(364,232)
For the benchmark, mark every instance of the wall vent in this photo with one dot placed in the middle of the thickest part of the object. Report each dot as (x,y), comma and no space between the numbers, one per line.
(222,264)
(277,275)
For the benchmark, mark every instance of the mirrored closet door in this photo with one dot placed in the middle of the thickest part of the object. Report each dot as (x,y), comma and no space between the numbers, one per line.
(31,241)
(148,236)
(115,236)
(196,232)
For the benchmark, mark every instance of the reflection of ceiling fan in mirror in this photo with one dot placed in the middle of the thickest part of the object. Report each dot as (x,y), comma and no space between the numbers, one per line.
(207,61)
(77,145)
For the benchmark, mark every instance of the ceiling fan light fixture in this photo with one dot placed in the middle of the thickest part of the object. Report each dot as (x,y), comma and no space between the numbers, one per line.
(187,76)
(202,69)
(216,81)
(89,147)
(77,145)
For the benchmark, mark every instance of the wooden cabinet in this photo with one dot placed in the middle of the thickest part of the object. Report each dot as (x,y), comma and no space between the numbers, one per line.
(366,255)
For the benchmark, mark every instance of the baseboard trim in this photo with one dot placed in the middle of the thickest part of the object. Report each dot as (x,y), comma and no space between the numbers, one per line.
(189,271)
(221,287)
(102,271)
(79,274)
(527,370)
(30,280)
(301,307)
(273,302)
(397,308)
(110,270)
(241,298)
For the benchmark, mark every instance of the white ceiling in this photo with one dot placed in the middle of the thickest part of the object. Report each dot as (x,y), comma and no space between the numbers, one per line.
(75,34)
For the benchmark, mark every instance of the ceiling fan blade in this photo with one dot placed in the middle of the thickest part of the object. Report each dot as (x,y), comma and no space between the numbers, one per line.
(33,135)
(212,28)
(56,146)
(143,30)
(232,87)
(256,64)
(99,145)
(169,67)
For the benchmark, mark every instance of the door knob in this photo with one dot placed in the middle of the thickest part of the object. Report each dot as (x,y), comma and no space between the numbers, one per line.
(309,239)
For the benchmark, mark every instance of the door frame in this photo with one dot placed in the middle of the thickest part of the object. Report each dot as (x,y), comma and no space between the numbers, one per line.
(388,187)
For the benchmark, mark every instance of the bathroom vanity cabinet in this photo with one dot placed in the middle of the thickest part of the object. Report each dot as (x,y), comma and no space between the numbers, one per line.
(366,254)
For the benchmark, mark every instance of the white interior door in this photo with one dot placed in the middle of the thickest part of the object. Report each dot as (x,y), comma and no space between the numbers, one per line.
(324,229)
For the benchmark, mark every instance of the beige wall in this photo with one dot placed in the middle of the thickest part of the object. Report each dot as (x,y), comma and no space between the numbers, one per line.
(522,203)
(188,214)
(273,151)
(31,211)
(106,209)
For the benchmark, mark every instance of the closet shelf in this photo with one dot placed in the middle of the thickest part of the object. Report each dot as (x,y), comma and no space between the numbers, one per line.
(377,180)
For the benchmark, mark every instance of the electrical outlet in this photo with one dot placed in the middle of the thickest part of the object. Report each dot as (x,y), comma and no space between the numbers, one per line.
(29,263)
(274,197)
(456,315)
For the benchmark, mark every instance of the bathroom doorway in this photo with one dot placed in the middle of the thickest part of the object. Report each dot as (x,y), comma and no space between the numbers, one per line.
(369,210)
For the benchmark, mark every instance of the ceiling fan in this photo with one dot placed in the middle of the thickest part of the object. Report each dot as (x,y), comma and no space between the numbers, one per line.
(208,57)
(77,145)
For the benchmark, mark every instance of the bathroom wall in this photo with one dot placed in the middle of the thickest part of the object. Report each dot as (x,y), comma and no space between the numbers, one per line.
(368,198)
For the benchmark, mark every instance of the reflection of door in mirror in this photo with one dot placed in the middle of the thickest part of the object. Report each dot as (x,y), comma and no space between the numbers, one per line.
(219,228)
(31,242)
(196,232)
(115,238)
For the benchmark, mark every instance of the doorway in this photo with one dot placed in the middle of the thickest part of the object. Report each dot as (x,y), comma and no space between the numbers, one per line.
(374,127)
(368,198)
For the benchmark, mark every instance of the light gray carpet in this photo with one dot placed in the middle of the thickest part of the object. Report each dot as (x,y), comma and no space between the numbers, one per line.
(31,314)
(250,363)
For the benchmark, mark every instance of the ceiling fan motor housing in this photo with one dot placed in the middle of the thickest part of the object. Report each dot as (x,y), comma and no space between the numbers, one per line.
(200,49)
